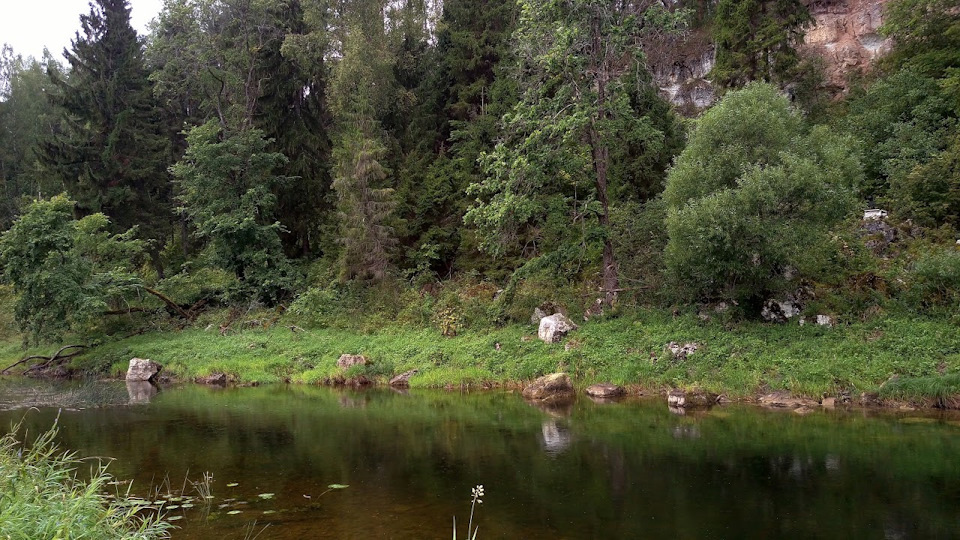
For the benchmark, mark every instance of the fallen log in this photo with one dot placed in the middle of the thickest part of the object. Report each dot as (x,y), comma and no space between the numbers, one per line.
(48,359)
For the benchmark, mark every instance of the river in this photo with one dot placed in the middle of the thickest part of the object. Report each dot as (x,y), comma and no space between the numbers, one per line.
(630,469)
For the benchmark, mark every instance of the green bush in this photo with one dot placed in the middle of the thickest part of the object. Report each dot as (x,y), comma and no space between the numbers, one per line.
(748,214)
(933,283)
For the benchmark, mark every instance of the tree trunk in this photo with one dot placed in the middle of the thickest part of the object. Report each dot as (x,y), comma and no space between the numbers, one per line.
(610,282)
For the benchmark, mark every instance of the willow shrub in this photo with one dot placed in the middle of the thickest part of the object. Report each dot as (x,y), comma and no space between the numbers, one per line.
(754,199)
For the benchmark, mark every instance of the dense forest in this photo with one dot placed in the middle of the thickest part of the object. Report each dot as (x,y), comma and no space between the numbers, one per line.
(463,163)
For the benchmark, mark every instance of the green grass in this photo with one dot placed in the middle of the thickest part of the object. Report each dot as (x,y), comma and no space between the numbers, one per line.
(736,359)
(41,497)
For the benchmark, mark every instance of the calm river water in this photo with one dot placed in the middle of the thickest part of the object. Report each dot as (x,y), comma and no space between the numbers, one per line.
(595,470)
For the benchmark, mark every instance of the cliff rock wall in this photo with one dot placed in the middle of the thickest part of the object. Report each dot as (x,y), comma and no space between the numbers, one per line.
(845,35)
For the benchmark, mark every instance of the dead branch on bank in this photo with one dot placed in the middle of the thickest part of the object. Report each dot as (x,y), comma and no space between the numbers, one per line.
(48,360)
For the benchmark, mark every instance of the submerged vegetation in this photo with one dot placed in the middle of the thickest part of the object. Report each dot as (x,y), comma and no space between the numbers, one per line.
(41,496)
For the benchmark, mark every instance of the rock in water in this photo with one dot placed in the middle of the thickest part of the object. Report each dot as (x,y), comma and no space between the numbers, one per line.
(555,387)
(142,369)
(403,380)
(604,390)
(347,360)
(680,399)
(554,327)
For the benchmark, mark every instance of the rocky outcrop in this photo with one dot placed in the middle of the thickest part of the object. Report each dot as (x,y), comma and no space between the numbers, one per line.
(680,65)
(553,328)
(347,361)
(142,369)
(846,36)
(605,390)
(403,380)
(555,387)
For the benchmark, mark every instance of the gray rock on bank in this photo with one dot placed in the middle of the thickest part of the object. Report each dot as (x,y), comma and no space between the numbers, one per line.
(695,399)
(348,360)
(605,390)
(142,369)
(552,388)
(553,328)
(403,380)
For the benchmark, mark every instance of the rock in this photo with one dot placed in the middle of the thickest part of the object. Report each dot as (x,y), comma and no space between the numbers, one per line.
(555,387)
(878,234)
(604,390)
(213,378)
(828,402)
(348,360)
(680,399)
(780,310)
(825,320)
(554,327)
(142,369)
(403,380)
(785,400)
(681,352)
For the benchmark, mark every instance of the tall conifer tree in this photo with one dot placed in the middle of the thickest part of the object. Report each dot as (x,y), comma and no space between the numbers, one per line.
(112,155)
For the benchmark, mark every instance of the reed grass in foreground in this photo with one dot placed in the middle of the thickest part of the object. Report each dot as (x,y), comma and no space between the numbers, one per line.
(42,498)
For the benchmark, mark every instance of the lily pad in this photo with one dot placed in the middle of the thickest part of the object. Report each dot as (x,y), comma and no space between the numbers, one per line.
(338,486)
(173,518)
(266,495)
(232,512)
(233,484)
(173,507)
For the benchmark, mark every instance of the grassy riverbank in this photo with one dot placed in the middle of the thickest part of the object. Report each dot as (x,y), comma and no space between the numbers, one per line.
(737,359)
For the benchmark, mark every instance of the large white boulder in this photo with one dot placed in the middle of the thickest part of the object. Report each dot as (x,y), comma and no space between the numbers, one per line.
(142,369)
(554,327)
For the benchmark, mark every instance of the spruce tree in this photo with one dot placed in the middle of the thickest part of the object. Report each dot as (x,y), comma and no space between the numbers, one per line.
(112,155)
(291,111)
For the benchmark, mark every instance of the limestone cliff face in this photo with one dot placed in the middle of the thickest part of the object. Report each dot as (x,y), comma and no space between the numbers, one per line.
(844,35)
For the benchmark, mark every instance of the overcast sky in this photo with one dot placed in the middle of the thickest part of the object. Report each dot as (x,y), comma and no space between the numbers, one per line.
(30,25)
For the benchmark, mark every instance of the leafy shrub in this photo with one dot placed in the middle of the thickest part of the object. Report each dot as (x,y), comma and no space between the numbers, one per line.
(934,281)
(753,198)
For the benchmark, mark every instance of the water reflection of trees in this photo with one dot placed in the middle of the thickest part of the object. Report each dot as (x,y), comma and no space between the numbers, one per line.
(585,471)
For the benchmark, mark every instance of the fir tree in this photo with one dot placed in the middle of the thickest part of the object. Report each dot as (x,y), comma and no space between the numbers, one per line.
(112,155)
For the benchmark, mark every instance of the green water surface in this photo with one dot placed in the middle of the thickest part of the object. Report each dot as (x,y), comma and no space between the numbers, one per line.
(630,469)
